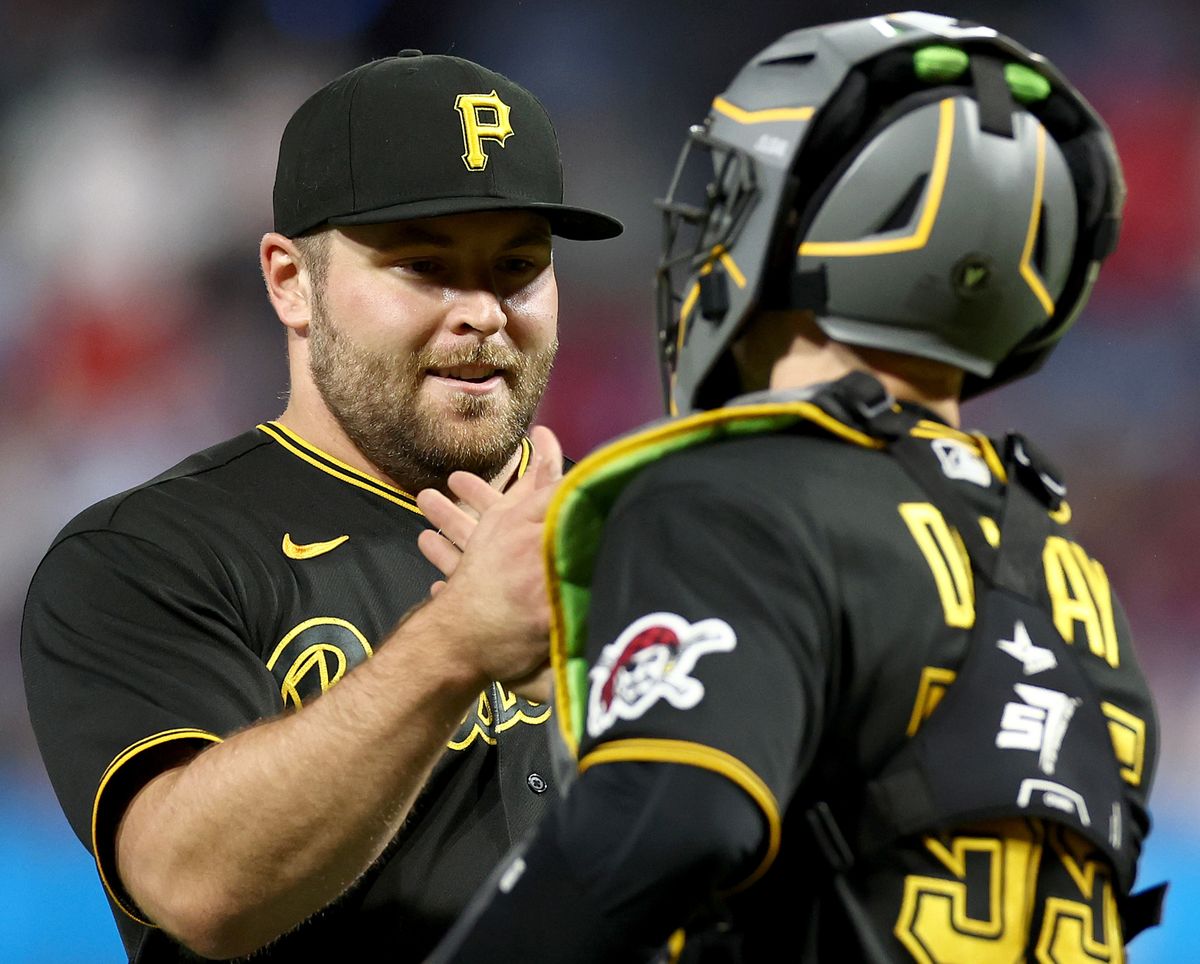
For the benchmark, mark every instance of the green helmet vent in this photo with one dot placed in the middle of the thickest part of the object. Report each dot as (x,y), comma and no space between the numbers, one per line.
(940,64)
(1027,85)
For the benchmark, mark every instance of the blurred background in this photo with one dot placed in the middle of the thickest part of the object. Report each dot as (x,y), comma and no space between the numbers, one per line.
(137,150)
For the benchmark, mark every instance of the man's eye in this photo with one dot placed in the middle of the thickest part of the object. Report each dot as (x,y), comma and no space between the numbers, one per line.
(422,266)
(518,265)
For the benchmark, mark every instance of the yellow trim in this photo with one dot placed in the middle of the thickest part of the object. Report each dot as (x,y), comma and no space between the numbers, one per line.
(1131,751)
(990,456)
(933,202)
(990,530)
(1062,515)
(297,446)
(929,429)
(347,473)
(601,458)
(718,253)
(689,302)
(317,621)
(526,455)
(1035,217)
(157,739)
(705,758)
(935,680)
(730,265)
(768,115)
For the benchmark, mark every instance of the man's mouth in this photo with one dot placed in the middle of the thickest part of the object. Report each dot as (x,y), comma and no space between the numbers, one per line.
(485,377)
(467,373)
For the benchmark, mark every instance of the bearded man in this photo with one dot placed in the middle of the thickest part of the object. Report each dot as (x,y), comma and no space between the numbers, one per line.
(269,735)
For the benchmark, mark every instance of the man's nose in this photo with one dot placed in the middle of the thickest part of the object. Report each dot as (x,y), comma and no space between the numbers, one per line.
(478,309)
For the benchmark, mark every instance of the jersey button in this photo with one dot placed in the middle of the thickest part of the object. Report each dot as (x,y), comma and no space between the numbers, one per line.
(537,783)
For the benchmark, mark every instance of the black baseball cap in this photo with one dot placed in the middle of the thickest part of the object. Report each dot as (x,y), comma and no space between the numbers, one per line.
(418,136)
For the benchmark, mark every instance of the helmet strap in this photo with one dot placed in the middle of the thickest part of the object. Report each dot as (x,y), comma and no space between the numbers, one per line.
(993,95)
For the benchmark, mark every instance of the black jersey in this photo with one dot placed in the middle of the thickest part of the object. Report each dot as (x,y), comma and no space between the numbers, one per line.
(245,581)
(785,607)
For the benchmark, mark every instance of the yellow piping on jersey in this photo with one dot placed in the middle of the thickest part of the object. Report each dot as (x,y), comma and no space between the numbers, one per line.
(766,115)
(706,758)
(337,468)
(157,739)
(526,455)
(929,213)
(347,473)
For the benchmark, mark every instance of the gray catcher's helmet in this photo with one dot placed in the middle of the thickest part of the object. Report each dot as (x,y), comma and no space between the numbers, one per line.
(924,185)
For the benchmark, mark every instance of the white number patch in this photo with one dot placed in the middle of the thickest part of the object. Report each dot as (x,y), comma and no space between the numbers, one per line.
(1039,723)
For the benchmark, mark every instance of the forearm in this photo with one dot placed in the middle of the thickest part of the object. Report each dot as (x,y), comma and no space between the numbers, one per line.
(257,833)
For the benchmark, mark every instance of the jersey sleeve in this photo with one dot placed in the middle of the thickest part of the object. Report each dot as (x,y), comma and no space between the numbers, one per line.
(132,662)
(631,853)
(709,635)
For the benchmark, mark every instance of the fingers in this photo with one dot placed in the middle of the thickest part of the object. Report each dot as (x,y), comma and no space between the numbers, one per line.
(434,505)
(533,508)
(456,522)
(439,551)
(477,494)
(452,521)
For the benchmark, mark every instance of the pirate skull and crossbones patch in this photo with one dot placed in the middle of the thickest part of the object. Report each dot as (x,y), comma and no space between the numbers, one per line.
(652,659)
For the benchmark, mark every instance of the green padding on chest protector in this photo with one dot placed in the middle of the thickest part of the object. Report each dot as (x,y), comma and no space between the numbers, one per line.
(591,489)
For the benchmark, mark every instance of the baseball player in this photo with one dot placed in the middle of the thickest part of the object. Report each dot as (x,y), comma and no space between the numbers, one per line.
(838,681)
(253,715)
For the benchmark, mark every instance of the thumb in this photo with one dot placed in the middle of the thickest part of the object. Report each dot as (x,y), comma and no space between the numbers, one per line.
(549,455)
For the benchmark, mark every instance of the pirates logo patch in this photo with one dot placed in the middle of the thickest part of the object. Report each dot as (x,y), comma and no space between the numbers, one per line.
(651,660)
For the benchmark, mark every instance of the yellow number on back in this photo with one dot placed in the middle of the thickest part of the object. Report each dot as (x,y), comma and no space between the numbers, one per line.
(943,550)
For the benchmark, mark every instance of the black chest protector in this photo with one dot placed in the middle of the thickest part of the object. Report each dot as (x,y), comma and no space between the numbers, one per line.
(1018,672)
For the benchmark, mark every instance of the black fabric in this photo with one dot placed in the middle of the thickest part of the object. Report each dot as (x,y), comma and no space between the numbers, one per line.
(174,607)
(807,545)
(1143,910)
(1082,789)
(993,95)
(634,848)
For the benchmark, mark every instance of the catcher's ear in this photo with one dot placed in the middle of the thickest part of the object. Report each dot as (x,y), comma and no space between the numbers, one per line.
(288,284)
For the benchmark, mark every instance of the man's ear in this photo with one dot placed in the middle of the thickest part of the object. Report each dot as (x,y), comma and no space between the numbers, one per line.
(289,285)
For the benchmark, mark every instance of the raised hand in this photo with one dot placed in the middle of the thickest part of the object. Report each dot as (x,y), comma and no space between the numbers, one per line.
(490,550)
(456,521)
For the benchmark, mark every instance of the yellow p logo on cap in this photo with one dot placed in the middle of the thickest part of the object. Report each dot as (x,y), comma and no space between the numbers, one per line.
(484,118)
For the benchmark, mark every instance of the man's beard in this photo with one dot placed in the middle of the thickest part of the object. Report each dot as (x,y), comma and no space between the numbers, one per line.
(376,398)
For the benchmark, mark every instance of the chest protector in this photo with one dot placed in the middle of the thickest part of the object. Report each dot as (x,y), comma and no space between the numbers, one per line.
(1020,684)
